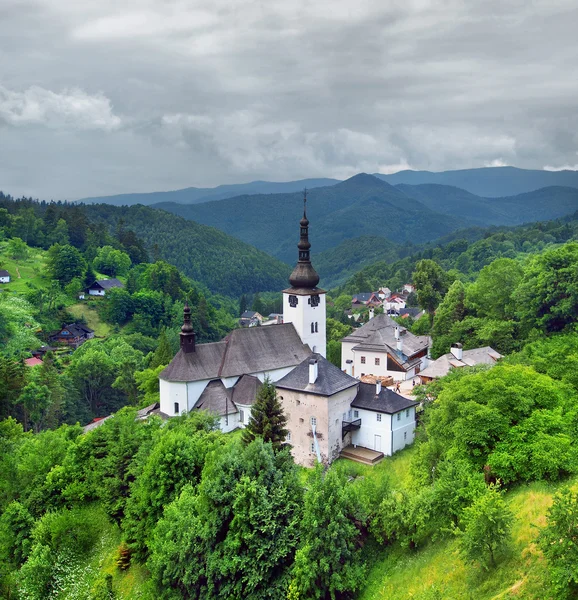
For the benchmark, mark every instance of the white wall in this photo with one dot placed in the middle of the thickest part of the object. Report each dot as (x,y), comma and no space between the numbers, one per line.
(96,292)
(5,279)
(172,392)
(406,425)
(228,423)
(390,429)
(302,316)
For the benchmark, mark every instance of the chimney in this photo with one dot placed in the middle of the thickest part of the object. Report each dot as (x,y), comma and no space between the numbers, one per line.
(396,332)
(457,351)
(399,345)
(349,367)
(313,372)
(377,387)
(371,313)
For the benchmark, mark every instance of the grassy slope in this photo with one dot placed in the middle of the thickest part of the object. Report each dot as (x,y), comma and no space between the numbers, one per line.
(30,269)
(437,572)
(88,311)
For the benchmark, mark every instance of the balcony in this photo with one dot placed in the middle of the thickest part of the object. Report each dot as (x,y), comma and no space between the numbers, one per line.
(348,426)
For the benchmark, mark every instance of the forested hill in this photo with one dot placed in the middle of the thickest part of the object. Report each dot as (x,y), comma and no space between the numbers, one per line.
(193,195)
(222,263)
(467,251)
(491,182)
(539,205)
(362,205)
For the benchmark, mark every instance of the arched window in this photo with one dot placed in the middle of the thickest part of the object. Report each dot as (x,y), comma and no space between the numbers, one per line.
(312,327)
(316,328)
(176,408)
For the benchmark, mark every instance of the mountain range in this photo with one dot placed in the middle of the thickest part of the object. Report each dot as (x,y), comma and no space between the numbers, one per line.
(491,182)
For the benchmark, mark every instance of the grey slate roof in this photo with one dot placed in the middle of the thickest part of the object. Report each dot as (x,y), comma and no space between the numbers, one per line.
(108,284)
(478,356)
(245,390)
(216,399)
(378,335)
(4,273)
(244,351)
(330,379)
(248,314)
(387,402)
(363,297)
(77,329)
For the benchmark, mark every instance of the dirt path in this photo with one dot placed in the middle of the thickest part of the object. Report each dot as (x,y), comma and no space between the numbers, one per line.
(18,273)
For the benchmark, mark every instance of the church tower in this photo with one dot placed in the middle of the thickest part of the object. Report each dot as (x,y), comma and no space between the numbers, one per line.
(187,332)
(304,302)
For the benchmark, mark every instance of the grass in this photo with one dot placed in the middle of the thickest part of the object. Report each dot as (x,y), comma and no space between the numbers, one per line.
(437,571)
(30,270)
(90,314)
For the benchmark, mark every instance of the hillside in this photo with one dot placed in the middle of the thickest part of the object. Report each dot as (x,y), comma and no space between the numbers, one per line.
(493,182)
(360,206)
(221,262)
(193,195)
(539,205)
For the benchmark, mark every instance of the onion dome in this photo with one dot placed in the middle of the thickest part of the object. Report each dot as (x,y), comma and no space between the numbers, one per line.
(304,275)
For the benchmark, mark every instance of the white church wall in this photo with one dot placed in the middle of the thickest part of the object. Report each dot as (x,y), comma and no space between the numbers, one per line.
(172,394)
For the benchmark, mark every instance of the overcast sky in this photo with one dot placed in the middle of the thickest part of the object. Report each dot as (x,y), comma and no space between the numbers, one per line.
(110,96)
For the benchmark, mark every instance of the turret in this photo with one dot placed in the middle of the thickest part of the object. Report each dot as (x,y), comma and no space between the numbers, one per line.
(187,331)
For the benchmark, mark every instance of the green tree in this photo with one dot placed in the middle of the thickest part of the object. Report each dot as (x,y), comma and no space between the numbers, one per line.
(267,418)
(328,561)
(111,261)
(35,400)
(17,248)
(64,263)
(485,528)
(431,284)
(559,543)
(164,353)
(452,310)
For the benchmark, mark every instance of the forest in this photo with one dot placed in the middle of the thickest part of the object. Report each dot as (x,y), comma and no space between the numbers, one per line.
(143,508)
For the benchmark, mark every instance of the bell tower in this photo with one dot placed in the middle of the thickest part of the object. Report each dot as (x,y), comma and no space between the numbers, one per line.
(304,302)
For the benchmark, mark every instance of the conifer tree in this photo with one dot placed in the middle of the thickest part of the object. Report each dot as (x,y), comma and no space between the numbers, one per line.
(163,354)
(267,418)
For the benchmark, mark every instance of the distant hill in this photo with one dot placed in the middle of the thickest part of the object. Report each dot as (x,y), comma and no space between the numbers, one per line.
(491,182)
(338,264)
(223,263)
(360,206)
(194,195)
(539,205)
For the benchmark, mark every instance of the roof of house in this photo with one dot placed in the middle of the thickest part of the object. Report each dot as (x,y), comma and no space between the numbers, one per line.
(107,284)
(32,362)
(244,351)
(245,390)
(249,314)
(378,335)
(76,329)
(363,297)
(330,379)
(4,273)
(412,311)
(388,401)
(478,356)
(216,399)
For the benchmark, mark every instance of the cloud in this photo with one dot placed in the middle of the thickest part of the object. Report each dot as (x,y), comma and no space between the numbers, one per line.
(71,108)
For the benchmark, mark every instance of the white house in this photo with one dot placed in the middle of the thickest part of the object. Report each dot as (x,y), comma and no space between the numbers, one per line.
(387,419)
(383,348)
(100,287)
(4,276)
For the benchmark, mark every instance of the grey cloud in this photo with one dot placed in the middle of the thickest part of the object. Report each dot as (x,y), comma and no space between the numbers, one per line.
(211,93)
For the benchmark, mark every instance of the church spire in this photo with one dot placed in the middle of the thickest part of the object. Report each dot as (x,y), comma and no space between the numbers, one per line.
(304,275)
(187,331)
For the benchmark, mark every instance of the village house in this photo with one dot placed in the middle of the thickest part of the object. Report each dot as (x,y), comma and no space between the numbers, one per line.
(100,287)
(383,348)
(73,335)
(4,276)
(250,318)
(457,358)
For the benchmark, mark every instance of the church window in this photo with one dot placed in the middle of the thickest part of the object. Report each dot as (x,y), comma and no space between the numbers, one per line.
(293,301)
(377,362)
(312,327)
(226,419)
(314,300)
(313,420)
(316,327)
(379,417)
(176,408)
(363,360)
(242,416)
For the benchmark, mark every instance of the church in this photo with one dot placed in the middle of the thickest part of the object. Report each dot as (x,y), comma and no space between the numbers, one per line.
(327,408)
